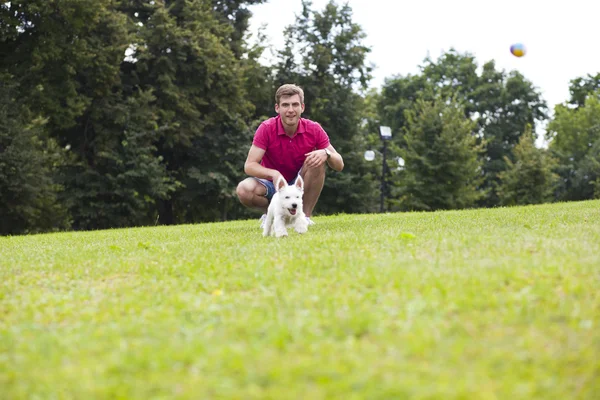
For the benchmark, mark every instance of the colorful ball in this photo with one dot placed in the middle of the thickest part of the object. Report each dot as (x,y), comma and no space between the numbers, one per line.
(518,50)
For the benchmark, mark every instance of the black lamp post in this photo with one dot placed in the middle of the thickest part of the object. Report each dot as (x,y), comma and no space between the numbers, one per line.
(385,133)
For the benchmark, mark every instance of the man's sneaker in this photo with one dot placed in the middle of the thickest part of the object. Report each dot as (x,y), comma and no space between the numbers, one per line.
(263,218)
(310,221)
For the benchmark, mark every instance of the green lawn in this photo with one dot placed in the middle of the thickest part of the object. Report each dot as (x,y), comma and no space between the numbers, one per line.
(479,304)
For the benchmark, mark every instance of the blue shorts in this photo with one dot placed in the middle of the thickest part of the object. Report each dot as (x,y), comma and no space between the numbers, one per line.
(270,186)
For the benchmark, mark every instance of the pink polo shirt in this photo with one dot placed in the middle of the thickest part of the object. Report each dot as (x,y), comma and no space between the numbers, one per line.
(286,154)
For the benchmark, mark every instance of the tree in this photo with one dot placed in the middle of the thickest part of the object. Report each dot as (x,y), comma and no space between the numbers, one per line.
(529,179)
(185,51)
(580,88)
(64,54)
(502,104)
(123,180)
(503,122)
(235,13)
(574,136)
(259,82)
(590,168)
(398,95)
(73,51)
(28,165)
(442,168)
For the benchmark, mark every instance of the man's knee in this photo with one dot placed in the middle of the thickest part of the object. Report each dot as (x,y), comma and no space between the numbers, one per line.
(243,191)
(247,189)
(313,171)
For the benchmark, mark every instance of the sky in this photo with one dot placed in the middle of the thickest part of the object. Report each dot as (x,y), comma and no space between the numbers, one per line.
(561,37)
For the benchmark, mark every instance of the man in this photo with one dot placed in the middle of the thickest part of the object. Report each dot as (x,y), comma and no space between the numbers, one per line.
(287,145)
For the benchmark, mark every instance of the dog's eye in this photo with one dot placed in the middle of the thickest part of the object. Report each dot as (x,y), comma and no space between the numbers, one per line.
(287,197)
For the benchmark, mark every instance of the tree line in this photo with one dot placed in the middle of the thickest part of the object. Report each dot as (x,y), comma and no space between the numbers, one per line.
(135,113)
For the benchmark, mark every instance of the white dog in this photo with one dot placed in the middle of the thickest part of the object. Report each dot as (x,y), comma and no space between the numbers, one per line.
(285,209)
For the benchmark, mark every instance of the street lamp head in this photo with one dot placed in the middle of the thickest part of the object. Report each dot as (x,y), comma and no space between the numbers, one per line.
(369,155)
(400,163)
(385,132)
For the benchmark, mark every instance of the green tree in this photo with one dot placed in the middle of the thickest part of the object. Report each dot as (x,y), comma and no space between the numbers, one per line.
(74,51)
(574,135)
(517,106)
(442,168)
(28,165)
(580,88)
(590,169)
(122,181)
(529,179)
(502,104)
(259,82)
(398,95)
(236,14)
(186,53)
(64,54)
(152,99)
(324,54)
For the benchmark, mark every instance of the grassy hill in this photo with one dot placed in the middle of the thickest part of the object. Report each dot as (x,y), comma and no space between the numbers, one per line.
(478,304)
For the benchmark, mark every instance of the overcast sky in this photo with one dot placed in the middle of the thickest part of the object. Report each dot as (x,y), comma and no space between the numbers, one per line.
(562,37)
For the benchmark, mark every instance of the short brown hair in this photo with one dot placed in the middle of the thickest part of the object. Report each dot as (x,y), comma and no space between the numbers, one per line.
(289,89)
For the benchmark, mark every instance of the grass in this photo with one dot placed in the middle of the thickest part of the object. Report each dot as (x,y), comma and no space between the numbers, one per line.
(478,304)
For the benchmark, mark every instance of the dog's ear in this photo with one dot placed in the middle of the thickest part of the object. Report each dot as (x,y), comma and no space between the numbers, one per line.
(299,183)
(280,184)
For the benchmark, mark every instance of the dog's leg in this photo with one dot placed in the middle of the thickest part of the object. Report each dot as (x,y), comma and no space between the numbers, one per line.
(279,225)
(268,228)
(301,224)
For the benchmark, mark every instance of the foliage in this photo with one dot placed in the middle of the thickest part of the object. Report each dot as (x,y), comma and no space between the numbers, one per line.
(502,104)
(65,54)
(123,180)
(582,87)
(150,98)
(185,53)
(259,82)
(530,178)
(74,51)
(442,167)
(28,165)
(574,135)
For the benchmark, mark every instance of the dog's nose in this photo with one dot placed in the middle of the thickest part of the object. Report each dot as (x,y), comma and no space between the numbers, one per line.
(294,205)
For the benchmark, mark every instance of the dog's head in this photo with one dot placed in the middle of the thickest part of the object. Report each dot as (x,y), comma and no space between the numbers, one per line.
(290,196)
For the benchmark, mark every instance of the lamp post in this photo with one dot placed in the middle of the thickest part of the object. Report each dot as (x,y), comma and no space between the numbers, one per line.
(385,133)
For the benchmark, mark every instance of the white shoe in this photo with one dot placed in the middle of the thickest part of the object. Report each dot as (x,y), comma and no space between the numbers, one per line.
(263,218)
(310,221)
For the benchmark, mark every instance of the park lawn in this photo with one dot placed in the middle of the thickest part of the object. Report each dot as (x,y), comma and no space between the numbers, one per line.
(478,304)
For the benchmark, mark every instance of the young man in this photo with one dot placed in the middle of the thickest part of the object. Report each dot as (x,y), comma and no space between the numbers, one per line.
(287,145)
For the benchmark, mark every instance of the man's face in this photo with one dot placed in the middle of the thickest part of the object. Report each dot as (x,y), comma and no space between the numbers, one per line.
(290,108)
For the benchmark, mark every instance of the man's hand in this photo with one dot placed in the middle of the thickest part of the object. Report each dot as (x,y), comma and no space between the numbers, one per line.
(275,177)
(315,158)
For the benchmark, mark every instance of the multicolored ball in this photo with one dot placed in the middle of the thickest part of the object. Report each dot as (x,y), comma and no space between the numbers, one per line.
(518,50)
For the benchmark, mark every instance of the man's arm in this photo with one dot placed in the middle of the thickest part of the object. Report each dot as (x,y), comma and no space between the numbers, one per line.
(336,161)
(253,168)
(319,157)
